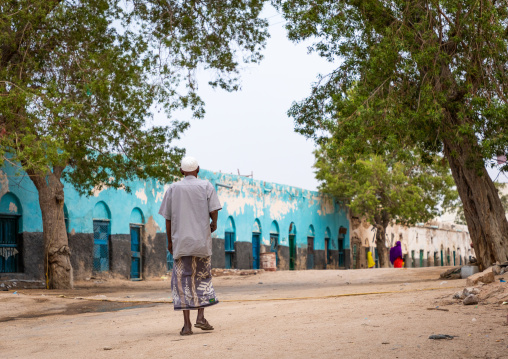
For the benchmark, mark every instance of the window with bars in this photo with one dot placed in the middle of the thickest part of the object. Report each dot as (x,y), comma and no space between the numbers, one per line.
(101,232)
(10,256)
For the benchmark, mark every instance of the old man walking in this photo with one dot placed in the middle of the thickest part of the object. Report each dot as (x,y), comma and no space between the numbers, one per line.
(190,208)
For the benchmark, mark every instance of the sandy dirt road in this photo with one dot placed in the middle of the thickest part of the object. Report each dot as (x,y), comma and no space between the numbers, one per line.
(301,314)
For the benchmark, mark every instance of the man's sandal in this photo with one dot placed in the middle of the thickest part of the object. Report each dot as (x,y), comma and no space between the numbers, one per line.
(203,326)
(183,333)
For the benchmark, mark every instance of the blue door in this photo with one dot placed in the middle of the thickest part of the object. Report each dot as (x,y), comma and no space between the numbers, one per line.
(9,250)
(292,252)
(310,252)
(340,244)
(274,246)
(328,254)
(229,245)
(135,252)
(255,250)
(100,246)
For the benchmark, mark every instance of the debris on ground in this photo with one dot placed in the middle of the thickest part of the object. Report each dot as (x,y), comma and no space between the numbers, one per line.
(470,300)
(466,292)
(487,276)
(502,267)
(485,288)
(442,336)
(452,273)
(437,308)
(220,272)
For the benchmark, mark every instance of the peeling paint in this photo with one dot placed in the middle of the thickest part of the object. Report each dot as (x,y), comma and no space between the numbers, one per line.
(327,206)
(140,193)
(160,195)
(151,227)
(13,208)
(279,208)
(96,191)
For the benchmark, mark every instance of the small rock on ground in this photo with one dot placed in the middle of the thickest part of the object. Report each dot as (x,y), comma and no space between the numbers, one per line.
(470,300)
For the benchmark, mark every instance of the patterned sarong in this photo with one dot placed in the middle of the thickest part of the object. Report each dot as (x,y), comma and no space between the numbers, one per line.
(191,283)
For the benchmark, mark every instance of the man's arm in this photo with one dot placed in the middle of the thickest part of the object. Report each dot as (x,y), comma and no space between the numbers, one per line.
(213,217)
(168,234)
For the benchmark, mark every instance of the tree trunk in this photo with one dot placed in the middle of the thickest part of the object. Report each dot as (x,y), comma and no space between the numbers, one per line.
(483,210)
(382,251)
(382,222)
(57,263)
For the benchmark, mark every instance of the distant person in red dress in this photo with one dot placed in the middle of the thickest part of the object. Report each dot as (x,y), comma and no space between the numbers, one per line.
(396,256)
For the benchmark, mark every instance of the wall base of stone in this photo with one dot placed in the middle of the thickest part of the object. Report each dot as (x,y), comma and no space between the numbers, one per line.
(154,261)
(218,253)
(32,249)
(333,261)
(319,259)
(347,258)
(81,245)
(283,253)
(153,256)
(242,258)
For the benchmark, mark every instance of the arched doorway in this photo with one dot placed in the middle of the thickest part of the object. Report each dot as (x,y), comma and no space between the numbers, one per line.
(137,222)
(292,246)
(10,221)
(274,241)
(355,252)
(442,256)
(256,243)
(328,247)
(340,246)
(310,247)
(229,243)
(101,232)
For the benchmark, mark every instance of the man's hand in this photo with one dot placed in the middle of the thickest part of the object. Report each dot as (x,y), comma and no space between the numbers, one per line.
(170,247)
(213,217)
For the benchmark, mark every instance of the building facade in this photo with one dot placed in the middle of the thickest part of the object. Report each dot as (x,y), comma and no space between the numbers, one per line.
(121,234)
(431,244)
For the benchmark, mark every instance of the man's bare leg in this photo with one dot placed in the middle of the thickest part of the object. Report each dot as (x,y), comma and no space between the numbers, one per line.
(201,316)
(201,322)
(187,325)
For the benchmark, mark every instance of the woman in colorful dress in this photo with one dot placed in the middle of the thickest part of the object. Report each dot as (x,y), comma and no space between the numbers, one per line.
(396,256)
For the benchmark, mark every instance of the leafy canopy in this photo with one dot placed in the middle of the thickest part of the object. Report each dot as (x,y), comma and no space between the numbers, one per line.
(80,80)
(386,189)
(424,72)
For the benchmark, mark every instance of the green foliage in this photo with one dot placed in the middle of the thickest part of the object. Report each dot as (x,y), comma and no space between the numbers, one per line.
(424,74)
(386,189)
(79,80)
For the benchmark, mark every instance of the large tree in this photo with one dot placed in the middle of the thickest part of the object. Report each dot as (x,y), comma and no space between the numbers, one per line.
(428,74)
(385,189)
(80,80)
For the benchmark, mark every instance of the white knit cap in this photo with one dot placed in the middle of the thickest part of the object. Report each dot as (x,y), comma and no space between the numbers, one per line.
(189,164)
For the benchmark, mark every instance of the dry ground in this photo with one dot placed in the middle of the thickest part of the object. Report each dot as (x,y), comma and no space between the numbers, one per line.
(301,314)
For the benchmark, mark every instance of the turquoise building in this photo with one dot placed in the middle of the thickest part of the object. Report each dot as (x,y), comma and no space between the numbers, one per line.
(121,234)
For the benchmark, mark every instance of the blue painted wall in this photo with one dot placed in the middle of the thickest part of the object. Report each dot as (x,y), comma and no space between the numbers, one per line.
(253,205)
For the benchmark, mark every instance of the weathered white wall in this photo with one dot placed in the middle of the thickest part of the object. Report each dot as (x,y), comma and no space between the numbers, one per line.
(432,237)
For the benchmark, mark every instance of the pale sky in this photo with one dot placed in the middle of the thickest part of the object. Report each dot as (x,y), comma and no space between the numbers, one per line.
(249,130)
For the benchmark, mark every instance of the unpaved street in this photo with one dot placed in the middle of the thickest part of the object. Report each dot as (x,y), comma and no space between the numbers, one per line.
(269,315)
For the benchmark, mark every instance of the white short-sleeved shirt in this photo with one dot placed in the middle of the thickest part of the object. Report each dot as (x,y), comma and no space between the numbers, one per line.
(187,204)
